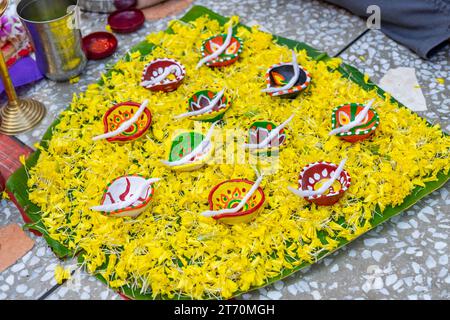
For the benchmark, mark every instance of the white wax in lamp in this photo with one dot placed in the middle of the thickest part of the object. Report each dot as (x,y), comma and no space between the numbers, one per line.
(204,110)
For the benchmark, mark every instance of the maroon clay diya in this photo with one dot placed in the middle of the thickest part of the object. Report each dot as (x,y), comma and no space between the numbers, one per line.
(99,45)
(354,122)
(127,196)
(235,201)
(126,121)
(126,21)
(287,79)
(323,183)
(163,75)
(221,50)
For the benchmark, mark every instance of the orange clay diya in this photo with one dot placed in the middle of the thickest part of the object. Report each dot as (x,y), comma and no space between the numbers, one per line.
(287,79)
(354,122)
(125,122)
(127,196)
(206,106)
(221,50)
(323,183)
(163,75)
(235,201)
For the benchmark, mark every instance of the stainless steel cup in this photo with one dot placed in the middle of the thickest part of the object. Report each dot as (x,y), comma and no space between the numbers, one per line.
(56,37)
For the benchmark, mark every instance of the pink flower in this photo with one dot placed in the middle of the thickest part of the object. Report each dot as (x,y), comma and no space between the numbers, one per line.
(5,27)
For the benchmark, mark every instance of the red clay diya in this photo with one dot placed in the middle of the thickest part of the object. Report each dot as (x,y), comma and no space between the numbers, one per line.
(122,112)
(314,175)
(203,99)
(126,21)
(99,45)
(228,194)
(153,75)
(347,113)
(228,56)
(124,187)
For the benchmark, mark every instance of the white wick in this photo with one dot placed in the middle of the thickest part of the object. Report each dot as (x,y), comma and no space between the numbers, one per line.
(124,126)
(187,158)
(241,203)
(211,105)
(291,82)
(324,187)
(161,77)
(219,51)
(358,119)
(274,133)
(124,204)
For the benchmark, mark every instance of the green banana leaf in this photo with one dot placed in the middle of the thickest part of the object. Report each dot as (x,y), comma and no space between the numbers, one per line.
(17,183)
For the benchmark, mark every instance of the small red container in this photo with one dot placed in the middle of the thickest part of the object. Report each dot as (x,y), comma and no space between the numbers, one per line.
(126,21)
(99,45)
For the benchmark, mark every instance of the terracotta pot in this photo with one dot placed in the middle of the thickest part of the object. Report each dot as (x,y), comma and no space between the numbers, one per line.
(346,113)
(315,174)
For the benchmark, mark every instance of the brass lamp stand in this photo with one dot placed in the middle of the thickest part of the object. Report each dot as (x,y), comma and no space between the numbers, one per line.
(17,115)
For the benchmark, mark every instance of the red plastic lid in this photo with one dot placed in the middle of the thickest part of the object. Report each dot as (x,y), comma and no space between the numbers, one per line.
(99,45)
(125,21)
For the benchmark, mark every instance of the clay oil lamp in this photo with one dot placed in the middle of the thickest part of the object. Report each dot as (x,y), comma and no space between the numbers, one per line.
(125,122)
(286,79)
(265,138)
(235,201)
(127,196)
(206,106)
(163,75)
(221,50)
(354,122)
(323,183)
(190,151)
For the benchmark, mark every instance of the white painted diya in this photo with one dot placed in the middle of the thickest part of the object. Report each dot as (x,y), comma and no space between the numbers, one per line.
(127,196)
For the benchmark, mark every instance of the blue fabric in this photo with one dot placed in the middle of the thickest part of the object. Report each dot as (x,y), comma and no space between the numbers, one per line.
(22,72)
(421,25)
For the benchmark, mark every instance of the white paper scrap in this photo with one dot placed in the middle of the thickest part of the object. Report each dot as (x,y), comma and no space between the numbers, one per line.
(402,84)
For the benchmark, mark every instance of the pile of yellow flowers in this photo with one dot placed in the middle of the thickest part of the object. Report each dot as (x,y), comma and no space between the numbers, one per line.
(172,251)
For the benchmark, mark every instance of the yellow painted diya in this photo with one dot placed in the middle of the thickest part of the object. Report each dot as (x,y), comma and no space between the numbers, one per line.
(228,195)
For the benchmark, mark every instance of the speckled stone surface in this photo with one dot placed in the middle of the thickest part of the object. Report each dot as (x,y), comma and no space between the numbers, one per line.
(405,258)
